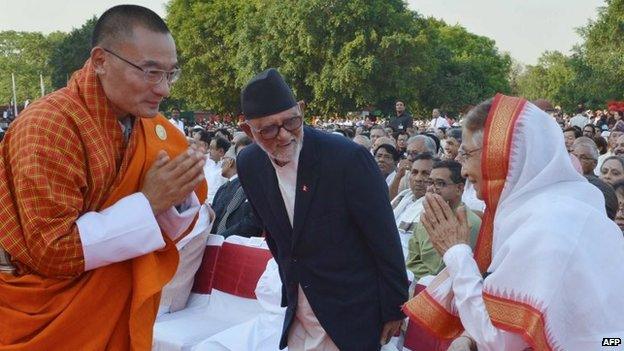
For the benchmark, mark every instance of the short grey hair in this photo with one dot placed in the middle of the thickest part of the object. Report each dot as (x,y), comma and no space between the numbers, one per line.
(429,142)
(589,144)
(362,140)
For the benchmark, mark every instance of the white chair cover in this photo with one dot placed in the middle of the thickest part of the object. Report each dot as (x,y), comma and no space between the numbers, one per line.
(262,333)
(184,329)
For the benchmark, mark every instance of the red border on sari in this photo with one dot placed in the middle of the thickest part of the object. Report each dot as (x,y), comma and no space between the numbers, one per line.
(520,318)
(497,137)
(430,315)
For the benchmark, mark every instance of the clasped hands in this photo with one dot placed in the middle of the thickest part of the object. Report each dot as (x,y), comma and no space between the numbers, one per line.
(168,182)
(446,228)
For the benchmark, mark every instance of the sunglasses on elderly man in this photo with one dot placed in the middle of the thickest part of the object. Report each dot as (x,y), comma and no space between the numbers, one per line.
(271,132)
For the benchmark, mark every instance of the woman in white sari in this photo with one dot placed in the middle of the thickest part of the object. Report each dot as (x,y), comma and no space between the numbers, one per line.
(548,268)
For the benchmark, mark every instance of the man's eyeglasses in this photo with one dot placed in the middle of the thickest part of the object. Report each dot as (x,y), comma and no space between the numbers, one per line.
(437,183)
(152,76)
(463,155)
(271,132)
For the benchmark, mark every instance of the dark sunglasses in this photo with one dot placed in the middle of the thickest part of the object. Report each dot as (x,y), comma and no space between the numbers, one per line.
(271,132)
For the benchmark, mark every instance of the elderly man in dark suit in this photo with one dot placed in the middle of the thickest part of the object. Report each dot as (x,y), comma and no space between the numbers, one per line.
(324,205)
(232,210)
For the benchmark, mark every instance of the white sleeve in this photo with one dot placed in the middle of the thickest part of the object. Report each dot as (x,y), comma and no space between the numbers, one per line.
(174,222)
(123,231)
(468,290)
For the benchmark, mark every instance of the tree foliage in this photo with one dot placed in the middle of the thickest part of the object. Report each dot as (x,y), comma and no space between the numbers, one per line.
(337,55)
(593,74)
(548,78)
(25,55)
(205,37)
(469,70)
(70,53)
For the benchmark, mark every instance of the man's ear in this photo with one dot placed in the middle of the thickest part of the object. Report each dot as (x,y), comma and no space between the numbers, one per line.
(247,129)
(98,58)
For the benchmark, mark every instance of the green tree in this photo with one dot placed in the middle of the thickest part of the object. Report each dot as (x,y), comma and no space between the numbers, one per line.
(592,75)
(516,71)
(70,53)
(205,34)
(602,53)
(24,55)
(337,55)
(470,68)
(548,79)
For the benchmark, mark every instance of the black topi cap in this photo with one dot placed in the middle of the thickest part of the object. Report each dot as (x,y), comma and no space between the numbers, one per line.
(266,94)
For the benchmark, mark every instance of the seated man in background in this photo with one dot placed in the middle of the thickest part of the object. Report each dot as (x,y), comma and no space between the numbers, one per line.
(363,140)
(383,140)
(586,151)
(217,147)
(415,145)
(445,180)
(407,206)
(452,142)
(376,132)
(401,140)
(387,158)
(233,212)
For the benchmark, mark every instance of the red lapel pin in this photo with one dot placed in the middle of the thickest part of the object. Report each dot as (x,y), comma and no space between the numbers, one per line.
(305,188)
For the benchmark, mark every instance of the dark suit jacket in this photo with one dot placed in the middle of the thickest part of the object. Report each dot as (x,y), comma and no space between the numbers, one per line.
(242,220)
(344,249)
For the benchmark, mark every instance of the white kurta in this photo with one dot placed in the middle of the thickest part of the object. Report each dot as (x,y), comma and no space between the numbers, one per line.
(306,332)
(212,172)
(439,122)
(406,215)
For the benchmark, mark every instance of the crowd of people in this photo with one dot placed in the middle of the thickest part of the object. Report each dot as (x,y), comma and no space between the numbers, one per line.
(493,223)
(594,140)
(428,159)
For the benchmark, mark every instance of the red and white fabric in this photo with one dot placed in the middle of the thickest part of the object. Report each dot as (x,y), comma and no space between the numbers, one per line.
(416,337)
(239,265)
(202,287)
(262,333)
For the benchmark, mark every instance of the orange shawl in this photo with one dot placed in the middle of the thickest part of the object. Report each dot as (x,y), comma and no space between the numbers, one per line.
(63,157)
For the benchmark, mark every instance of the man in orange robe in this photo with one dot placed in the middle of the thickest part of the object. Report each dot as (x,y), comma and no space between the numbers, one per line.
(95,188)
